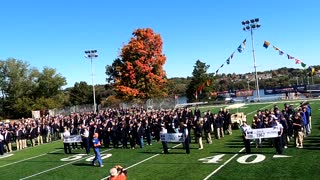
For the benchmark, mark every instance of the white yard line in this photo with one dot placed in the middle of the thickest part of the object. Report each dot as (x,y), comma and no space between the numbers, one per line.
(142,161)
(215,171)
(58,166)
(261,108)
(28,158)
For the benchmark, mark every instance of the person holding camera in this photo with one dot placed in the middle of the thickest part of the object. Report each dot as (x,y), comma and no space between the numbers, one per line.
(118,173)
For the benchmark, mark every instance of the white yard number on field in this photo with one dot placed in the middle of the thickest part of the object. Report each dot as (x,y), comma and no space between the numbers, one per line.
(79,156)
(245,159)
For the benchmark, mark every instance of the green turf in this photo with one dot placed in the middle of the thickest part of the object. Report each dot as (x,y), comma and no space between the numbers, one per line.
(302,163)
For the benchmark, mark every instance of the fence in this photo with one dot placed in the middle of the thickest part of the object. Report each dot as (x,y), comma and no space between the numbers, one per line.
(156,103)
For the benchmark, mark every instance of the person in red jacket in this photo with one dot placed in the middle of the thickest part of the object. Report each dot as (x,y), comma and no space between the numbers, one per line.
(118,173)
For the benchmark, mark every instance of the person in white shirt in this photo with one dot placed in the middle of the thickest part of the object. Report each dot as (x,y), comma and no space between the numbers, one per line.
(244,128)
(66,145)
(164,143)
(278,140)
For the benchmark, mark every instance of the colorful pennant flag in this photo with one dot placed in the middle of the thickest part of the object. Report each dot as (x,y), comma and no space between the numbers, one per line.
(242,46)
(266,44)
(240,49)
(290,57)
(244,43)
(232,55)
(297,61)
(281,53)
(228,61)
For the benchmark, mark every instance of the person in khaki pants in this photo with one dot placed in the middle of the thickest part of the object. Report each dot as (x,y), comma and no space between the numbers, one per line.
(7,140)
(199,129)
(19,138)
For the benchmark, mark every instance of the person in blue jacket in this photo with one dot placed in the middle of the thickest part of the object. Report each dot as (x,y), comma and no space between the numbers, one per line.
(96,148)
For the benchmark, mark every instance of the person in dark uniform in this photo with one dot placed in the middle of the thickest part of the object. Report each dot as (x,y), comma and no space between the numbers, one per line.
(85,139)
(164,143)
(244,128)
(185,132)
(141,132)
(7,139)
(1,143)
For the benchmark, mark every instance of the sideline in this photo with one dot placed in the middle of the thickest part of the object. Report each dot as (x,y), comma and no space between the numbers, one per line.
(143,160)
(29,158)
(59,166)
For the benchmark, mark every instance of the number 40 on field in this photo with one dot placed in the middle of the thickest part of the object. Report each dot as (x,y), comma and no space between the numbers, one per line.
(245,159)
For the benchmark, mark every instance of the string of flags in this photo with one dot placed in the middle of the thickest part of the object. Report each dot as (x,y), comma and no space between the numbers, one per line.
(266,44)
(240,48)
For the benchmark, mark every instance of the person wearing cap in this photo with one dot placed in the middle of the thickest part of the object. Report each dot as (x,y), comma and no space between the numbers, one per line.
(118,173)
(96,147)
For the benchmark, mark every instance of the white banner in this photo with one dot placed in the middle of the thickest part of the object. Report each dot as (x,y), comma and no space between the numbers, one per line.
(172,137)
(35,114)
(262,133)
(72,139)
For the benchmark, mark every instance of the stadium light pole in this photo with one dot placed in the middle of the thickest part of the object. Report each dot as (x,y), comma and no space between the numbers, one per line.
(91,54)
(250,25)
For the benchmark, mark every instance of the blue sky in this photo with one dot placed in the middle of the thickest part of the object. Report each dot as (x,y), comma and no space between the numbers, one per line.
(56,33)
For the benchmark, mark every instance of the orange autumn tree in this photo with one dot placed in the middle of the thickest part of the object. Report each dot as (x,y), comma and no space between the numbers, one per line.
(138,72)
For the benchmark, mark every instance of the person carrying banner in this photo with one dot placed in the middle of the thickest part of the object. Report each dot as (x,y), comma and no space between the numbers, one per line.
(164,143)
(96,148)
(244,128)
(278,140)
(66,145)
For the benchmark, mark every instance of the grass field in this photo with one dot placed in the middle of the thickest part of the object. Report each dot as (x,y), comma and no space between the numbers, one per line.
(223,159)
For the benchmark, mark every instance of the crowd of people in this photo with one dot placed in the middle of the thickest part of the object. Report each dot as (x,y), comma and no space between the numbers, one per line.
(117,128)
(293,124)
(135,127)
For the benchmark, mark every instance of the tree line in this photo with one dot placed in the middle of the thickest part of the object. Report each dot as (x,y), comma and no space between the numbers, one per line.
(137,73)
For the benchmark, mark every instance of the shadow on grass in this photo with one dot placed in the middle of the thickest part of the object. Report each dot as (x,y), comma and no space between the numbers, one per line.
(56,153)
(82,164)
(161,152)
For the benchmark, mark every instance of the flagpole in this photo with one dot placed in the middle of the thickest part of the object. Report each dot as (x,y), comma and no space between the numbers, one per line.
(251,25)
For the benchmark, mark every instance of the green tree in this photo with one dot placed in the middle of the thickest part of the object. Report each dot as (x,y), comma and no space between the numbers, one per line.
(81,93)
(49,83)
(198,87)
(22,87)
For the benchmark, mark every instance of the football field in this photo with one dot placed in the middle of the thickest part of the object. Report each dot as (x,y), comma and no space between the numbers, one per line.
(223,159)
